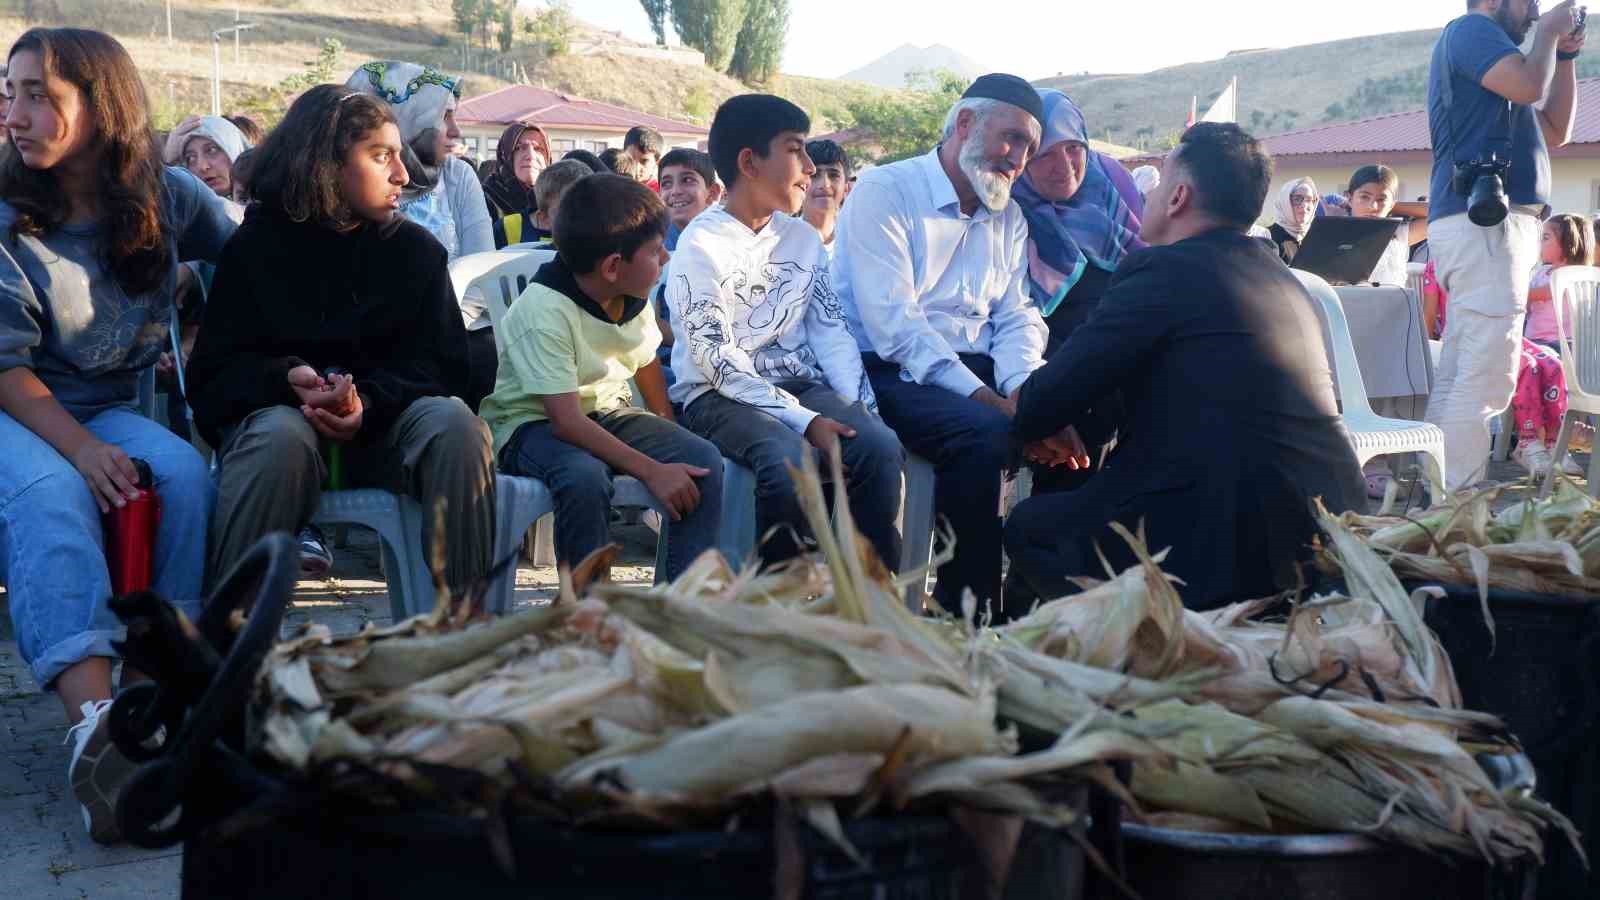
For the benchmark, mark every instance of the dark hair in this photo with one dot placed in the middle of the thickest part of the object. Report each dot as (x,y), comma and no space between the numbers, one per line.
(588,159)
(1576,237)
(608,158)
(824,152)
(487,168)
(691,159)
(645,138)
(135,247)
(247,126)
(296,170)
(751,121)
(1229,169)
(1374,174)
(242,168)
(556,179)
(604,214)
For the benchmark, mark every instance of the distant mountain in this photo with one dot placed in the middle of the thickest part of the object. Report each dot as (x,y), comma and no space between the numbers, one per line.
(891,69)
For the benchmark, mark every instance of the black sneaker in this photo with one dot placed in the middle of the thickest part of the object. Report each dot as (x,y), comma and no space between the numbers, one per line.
(315,560)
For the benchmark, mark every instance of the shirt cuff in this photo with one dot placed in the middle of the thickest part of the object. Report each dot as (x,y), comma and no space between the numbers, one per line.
(958,379)
(1014,382)
(799,418)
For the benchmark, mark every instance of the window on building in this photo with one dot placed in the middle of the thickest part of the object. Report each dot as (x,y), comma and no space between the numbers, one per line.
(599,146)
(1594,195)
(562,146)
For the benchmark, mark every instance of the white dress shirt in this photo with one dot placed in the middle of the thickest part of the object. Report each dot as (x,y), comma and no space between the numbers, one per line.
(921,282)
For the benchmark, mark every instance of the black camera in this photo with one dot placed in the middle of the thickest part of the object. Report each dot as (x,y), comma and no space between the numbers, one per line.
(1483,183)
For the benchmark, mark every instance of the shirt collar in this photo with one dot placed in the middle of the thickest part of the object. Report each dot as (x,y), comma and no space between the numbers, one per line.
(940,190)
(556,276)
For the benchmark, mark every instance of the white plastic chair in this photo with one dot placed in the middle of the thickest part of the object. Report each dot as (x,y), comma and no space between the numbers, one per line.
(1575,290)
(1372,435)
(1414,277)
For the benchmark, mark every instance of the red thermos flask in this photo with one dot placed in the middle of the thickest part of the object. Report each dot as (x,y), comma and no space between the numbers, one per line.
(131,536)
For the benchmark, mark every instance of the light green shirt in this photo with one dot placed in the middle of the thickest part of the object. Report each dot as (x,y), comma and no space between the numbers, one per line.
(554,344)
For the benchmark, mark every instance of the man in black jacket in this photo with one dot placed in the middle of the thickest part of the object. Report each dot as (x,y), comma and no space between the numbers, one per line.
(1232,426)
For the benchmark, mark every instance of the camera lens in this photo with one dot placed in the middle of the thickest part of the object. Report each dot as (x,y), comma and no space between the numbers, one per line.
(1487,205)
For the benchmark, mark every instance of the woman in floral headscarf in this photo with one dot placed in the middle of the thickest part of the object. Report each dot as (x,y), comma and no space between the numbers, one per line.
(1083,212)
(444,195)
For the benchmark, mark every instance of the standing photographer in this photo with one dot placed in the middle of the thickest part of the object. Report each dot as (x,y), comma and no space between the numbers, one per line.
(1493,112)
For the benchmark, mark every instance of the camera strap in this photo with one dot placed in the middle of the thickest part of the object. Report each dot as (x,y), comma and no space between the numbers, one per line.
(1501,136)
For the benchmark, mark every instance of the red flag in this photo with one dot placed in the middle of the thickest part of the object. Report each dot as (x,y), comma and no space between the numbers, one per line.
(1193,102)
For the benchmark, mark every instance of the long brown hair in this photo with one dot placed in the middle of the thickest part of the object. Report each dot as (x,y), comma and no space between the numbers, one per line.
(1576,237)
(295,171)
(134,239)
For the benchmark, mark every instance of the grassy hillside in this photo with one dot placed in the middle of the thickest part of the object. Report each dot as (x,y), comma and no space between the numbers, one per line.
(288,35)
(1279,90)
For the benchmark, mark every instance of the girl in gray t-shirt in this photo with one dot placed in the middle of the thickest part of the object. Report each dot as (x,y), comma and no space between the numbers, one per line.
(92,228)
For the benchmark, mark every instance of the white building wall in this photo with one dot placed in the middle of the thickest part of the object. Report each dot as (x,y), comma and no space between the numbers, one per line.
(481,140)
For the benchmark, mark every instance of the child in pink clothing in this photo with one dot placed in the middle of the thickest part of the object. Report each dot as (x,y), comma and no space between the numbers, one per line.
(1565,241)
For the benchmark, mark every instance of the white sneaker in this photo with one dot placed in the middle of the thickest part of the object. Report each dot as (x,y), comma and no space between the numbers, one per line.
(1533,456)
(97,772)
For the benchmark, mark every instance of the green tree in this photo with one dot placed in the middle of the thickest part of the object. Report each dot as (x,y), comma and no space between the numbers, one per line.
(508,26)
(464,13)
(900,126)
(657,11)
(553,28)
(710,26)
(322,70)
(759,49)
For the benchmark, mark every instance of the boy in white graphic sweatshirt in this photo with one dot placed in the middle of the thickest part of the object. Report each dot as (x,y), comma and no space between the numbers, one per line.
(766,367)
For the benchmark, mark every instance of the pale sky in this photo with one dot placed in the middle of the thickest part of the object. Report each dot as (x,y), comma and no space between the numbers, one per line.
(1039,38)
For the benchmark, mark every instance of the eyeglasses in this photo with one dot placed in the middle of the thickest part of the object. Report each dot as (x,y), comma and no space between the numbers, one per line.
(1301,200)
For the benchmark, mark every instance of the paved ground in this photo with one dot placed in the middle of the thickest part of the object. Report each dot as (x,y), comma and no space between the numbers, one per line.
(44,851)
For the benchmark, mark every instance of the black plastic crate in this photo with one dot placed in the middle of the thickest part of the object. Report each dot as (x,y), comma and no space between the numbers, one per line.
(1543,678)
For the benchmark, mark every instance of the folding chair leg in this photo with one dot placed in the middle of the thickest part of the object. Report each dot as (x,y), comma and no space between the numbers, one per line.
(544,540)
(1562,439)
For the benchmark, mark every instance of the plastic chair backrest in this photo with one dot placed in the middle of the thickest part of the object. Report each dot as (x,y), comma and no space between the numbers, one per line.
(1577,288)
(500,276)
(1341,349)
(1414,273)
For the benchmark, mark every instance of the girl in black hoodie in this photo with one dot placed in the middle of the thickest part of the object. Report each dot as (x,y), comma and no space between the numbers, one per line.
(332,321)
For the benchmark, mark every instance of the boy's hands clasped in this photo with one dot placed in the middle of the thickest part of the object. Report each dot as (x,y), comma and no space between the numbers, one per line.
(332,405)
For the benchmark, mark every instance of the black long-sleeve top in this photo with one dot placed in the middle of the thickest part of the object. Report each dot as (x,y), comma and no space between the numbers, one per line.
(376,302)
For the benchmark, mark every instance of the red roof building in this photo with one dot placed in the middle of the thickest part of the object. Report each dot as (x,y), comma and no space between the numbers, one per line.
(571,122)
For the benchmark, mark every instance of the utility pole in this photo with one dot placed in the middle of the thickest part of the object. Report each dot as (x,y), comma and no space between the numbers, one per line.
(236,30)
(216,63)
(169,23)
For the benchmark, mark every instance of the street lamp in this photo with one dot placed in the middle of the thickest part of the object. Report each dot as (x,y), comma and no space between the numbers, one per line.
(216,64)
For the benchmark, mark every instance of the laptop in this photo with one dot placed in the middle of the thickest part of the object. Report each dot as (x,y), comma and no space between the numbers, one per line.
(1344,249)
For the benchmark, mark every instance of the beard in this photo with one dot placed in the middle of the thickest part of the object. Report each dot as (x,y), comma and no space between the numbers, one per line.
(993,188)
(1517,31)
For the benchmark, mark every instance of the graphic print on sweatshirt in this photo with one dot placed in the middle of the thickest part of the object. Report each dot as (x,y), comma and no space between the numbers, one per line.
(757,309)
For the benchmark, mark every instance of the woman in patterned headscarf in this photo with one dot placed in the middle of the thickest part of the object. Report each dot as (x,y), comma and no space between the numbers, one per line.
(1083,217)
(444,195)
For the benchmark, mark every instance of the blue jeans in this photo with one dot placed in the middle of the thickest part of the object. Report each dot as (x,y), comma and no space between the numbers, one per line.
(52,556)
(580,483)
(873,461)
(969,445)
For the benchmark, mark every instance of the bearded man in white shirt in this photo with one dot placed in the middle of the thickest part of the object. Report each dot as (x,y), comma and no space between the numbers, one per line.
(930,263)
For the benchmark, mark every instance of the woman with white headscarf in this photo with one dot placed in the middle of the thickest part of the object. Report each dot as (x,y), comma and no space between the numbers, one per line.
(208,146)
(444,195)
(1294,211)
